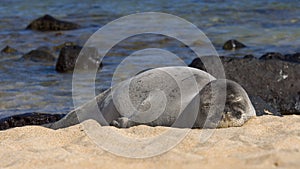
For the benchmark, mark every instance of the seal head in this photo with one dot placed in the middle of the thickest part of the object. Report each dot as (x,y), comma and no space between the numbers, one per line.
(237,110)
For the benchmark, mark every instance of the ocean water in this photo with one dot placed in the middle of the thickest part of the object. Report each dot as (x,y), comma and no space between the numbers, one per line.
(263,25)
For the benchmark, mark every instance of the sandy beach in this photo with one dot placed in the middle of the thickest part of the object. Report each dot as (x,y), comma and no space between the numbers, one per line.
(263,142)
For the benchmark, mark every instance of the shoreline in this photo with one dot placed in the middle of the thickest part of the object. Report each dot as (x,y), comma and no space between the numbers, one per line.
(267,90)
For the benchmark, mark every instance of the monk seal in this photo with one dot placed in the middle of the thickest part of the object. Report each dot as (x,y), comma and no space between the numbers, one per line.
(168,96)
(237,110)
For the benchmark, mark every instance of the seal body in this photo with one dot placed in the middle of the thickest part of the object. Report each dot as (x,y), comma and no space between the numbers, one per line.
(168,96)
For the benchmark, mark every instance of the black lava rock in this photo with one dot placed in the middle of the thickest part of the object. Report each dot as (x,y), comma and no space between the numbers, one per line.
(39,55)
(275,81)
(49,23)
(29,119)
(249,57)
(233,44)
(9,50)
(68,57)
(288,57)
(272,55)
(293,57)
(197,63)
(263,108)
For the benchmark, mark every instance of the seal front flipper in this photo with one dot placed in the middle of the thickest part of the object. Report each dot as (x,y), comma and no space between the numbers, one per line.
(122,122)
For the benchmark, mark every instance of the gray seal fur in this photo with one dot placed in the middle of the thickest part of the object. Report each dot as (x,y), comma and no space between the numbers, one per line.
(161,96)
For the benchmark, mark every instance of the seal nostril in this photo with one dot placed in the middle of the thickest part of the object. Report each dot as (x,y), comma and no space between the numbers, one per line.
(237,114)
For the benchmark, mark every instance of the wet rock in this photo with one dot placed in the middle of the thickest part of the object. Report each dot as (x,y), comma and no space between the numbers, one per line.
(272,55)
(288,57)
(197,63)
(293,57)
(49,23)
(68,57)
(9,50)
(249,57)
(263,108)
(39,55)
(233,44)
(275,81)
(29,119)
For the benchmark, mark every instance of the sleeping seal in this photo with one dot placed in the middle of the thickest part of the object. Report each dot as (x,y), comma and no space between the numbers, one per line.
(181,97)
